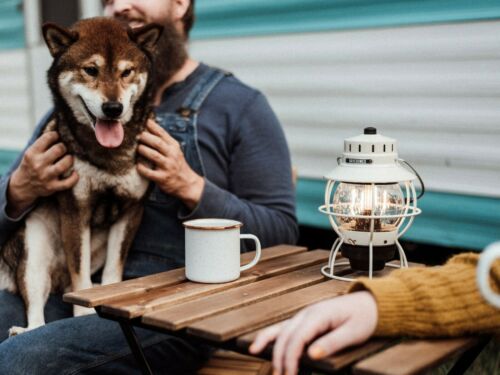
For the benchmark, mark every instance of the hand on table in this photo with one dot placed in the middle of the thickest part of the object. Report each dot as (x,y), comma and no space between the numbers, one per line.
(336,323)
(170,170)
(40,173)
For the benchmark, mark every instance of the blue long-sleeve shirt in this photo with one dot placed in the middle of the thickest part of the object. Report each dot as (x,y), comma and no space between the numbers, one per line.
(246,158)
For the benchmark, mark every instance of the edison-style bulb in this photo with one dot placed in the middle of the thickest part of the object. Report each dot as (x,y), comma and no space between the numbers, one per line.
(363,199)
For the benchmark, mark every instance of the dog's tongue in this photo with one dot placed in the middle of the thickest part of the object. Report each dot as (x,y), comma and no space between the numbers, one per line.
(109,133)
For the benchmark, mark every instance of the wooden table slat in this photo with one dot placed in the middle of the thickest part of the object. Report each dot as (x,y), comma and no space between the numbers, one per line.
(231,363)
(235,364)
(227,325)
(333,363)
(286,279)
(179,316)
(413,356)
(230,371)
(100,295)
(237,322)
(161,298)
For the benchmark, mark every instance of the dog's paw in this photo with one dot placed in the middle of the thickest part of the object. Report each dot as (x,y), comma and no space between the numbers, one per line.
(14,330)
(80,311)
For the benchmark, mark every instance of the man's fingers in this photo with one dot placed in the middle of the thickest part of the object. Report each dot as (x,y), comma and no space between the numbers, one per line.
(156,129)
(60,167)
(149,173)
(66,183)
(154,141)
(54,153)
(151,154)
(43,143)
(264,337)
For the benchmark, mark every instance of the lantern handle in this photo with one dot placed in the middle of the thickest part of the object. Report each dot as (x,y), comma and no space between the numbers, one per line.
(422,192)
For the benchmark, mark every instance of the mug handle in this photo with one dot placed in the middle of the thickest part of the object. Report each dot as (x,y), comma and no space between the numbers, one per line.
(490,254)
(257,251)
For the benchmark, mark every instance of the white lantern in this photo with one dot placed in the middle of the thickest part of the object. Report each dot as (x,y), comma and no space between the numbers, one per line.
(371,201)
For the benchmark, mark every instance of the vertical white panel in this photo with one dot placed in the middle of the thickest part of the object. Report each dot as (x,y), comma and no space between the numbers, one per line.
(31,10)
(90,8)
(15,105)
(42,99)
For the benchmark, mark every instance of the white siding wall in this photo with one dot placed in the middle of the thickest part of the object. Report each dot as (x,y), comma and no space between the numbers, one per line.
(434,88)
(24,95)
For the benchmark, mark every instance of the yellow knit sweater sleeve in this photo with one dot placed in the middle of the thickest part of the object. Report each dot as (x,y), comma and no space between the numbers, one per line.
(434,301)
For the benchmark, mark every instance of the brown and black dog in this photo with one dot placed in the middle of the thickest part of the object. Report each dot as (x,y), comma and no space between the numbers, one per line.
(101,80)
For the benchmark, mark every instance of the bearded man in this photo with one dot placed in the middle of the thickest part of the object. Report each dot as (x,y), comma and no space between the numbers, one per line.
(216,149)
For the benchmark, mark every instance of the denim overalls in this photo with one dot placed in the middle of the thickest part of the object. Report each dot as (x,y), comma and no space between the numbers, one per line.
(159,242)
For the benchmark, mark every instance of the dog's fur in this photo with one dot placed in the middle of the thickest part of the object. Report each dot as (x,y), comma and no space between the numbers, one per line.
(73,233)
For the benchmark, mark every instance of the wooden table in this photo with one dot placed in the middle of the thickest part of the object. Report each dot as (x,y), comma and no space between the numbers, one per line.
(228,315)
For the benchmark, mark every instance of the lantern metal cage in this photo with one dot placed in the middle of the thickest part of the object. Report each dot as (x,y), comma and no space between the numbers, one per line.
(370,171)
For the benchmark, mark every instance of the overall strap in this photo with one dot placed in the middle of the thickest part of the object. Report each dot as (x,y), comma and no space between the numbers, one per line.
(205,85)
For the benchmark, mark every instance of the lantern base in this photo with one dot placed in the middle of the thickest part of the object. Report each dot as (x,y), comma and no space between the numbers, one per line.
(329,269)
(359,256)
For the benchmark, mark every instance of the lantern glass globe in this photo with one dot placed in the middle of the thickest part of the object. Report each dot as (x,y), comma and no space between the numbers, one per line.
(366,200)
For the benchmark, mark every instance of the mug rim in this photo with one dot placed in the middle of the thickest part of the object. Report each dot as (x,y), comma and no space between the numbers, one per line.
(196,224)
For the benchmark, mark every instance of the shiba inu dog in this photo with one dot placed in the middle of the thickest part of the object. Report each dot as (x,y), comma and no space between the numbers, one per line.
(102,86)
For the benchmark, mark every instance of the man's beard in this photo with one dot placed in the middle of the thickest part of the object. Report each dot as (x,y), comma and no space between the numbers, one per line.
(170,54)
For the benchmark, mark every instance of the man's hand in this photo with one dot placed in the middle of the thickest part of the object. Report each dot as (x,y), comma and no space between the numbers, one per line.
(171,172)
(338,322)
(39,174)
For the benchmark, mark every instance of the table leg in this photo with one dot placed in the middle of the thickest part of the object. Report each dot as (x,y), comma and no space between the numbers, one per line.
(467,358)
(135,346)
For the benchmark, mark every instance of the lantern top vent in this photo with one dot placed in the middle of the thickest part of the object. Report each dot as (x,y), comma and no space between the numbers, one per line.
(370,158)
(369,143)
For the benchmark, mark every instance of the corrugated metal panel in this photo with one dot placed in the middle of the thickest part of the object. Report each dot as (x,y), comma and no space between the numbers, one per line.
(434,88)
(226,18)
(15,108)
(11,24)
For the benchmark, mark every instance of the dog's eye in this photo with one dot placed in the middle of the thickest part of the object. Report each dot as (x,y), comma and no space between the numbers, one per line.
(126,73)
(91,71)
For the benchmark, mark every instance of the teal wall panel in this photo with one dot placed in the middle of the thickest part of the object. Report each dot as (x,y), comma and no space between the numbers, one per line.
(453,220)
(467,222)
(11,24)
(6,159)
(226,18)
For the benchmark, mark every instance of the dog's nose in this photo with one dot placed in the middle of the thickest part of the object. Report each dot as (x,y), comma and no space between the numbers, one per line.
(112,109)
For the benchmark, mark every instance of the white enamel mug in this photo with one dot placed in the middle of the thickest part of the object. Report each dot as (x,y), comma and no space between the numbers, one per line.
(213,250)
(489,255)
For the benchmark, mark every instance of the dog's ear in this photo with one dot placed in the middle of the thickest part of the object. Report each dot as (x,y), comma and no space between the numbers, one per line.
(147,36)
(57,38)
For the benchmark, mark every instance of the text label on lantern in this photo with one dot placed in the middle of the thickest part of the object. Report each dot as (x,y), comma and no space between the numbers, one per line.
(359,161)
